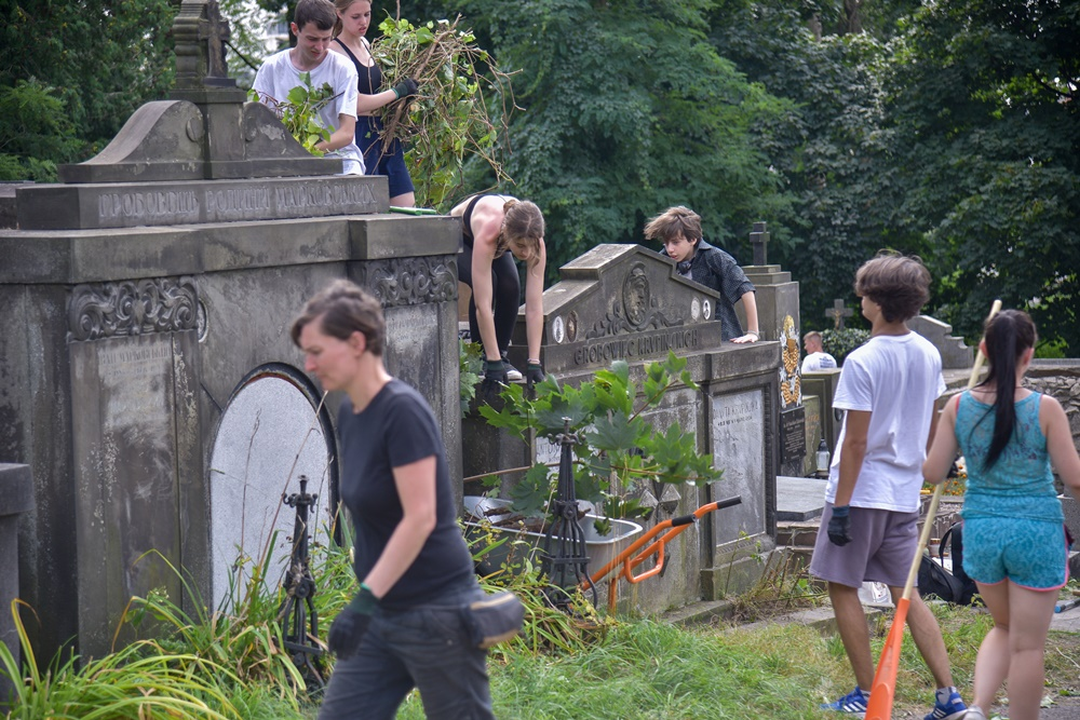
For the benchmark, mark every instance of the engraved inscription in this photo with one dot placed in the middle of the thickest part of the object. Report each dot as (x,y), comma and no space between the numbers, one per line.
(169,205)
(236,202)
(638,346)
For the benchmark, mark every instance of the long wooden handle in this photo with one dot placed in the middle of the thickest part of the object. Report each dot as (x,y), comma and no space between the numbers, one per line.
(931,513)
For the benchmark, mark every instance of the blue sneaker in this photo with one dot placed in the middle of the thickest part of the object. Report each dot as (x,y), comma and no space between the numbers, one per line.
(854,703)
(954,709)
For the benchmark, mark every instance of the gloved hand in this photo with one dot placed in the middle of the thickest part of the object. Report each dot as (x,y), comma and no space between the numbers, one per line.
(534,373)
(495,378)
(352,622)
(495,372)
(840,526)
(405,88)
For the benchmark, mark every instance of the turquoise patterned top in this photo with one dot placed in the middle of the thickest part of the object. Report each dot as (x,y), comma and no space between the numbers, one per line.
(1020,484)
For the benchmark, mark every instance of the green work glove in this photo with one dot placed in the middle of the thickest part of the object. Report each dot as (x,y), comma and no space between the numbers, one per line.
(352,622)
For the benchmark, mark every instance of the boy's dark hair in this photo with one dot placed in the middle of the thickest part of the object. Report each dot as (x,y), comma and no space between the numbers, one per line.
(675,222)
(344,308)
(899,284)
(320,12)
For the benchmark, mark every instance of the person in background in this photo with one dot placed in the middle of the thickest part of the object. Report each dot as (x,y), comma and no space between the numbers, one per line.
(406,626)
(353,20)
(816,357)
(1015,542)
(491,225)
(889,387)
(313,22)
(679,230)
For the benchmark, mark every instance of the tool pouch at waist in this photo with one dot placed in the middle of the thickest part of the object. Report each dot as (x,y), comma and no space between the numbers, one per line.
(495,619)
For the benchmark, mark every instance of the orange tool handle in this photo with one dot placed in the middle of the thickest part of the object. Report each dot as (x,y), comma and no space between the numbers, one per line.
(630,558)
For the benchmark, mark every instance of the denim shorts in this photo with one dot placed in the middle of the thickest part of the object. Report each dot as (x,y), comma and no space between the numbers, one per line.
(881,549)
(1031,553)
(426,647)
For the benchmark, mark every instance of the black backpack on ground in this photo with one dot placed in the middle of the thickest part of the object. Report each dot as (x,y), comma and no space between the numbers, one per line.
(935,580)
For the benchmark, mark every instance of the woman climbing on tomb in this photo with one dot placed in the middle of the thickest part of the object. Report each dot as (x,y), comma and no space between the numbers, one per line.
(491,225)
(354,17)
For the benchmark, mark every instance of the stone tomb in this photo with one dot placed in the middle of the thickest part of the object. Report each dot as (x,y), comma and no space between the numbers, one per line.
(147,301)
(624,302)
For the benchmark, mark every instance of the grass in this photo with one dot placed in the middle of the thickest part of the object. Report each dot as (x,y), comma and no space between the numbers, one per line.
(587,667)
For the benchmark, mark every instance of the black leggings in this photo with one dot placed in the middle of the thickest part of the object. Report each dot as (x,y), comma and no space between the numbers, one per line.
(506,290)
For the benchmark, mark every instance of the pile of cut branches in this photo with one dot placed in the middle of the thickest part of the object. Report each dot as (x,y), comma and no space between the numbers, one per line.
(451,117)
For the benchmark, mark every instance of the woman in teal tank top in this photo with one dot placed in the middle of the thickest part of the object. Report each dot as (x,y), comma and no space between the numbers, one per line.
(1015,541)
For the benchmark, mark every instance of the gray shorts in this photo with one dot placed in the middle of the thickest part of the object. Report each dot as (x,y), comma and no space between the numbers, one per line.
(882,547)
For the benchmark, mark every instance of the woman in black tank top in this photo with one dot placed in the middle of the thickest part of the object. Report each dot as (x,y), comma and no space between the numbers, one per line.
(354,17)
(490,226)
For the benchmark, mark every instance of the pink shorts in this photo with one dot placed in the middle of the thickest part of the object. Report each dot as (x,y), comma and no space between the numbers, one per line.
(882,547)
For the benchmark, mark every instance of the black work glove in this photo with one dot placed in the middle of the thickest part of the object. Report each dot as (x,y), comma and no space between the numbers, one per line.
(352,622)
(405,88)
(534,374)
(495,379)
(840,526)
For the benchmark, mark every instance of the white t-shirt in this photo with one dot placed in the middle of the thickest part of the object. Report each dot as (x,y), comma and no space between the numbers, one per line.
(278,76)
(896,378)
(818,361)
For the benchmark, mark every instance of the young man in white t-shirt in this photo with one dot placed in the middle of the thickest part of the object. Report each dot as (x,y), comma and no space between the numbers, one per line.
(888,388)
(816,358)
(313,25)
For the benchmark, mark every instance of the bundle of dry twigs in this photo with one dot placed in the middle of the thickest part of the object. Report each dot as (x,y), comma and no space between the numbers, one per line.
(462,107)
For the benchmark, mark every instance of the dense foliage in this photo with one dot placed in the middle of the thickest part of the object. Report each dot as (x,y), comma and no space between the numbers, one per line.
(76,72)
(946,129)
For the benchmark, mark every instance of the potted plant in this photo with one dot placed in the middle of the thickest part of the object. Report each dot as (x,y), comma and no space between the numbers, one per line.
(619,452)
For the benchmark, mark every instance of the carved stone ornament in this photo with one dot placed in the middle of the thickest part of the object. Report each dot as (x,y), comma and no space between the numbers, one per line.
(132,307)
(634,311)
(413,281)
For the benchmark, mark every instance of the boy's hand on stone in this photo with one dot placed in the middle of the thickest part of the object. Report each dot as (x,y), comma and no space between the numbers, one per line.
(751,336)
(840,526)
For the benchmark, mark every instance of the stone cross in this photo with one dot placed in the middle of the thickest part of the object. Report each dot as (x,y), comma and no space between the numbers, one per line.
(759,239)
(838,312)
(201,34)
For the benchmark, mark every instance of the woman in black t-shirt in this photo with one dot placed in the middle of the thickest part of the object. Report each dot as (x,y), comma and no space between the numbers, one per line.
(405,628)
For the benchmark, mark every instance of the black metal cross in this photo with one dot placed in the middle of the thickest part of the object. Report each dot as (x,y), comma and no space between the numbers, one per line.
(838,312)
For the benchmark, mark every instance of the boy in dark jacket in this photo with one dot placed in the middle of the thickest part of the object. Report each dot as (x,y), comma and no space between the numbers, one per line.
(679,229)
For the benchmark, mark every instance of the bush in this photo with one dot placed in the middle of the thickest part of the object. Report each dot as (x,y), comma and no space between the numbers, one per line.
(840,343)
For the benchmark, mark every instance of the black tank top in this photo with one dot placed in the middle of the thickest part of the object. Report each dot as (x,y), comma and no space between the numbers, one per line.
(369,79)
(466,221)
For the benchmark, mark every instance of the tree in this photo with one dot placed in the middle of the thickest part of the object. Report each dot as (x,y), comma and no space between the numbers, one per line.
(986,124)
(829,147)
(627,110)
(101,59)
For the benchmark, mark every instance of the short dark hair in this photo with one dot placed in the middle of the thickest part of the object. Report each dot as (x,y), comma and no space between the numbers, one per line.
(320,12)
(675,222)
(899,284)
(344,308)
